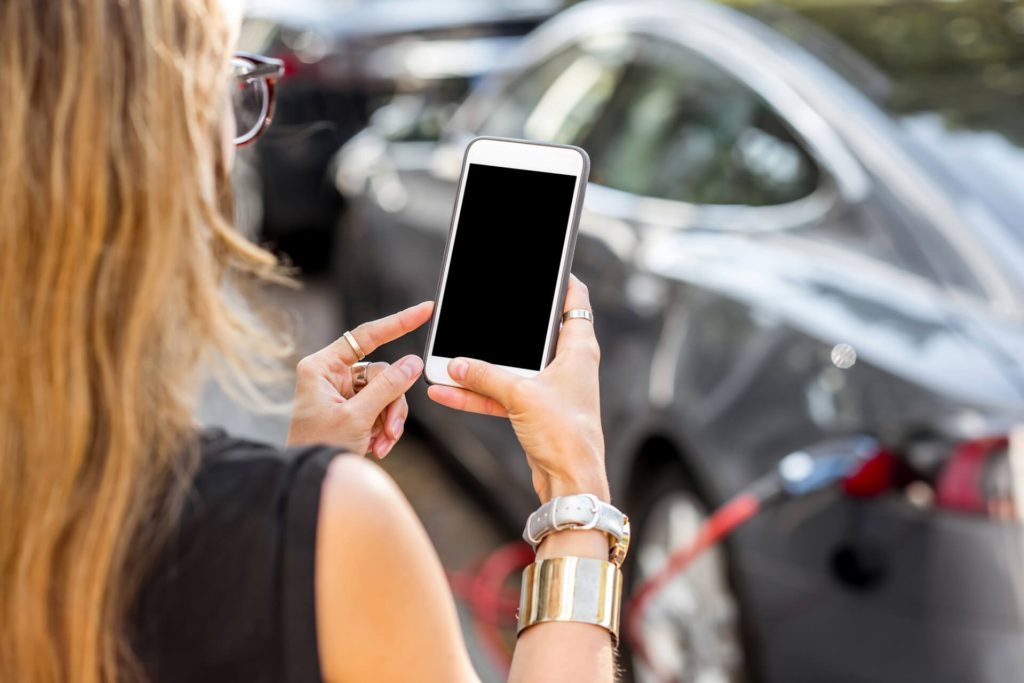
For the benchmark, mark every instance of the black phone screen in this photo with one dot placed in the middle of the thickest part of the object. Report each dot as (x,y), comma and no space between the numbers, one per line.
(503,269)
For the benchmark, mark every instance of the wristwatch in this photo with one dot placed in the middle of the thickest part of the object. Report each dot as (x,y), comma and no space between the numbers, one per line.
(582,511)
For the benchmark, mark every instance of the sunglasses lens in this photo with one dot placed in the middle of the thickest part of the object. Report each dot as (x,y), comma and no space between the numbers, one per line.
(249,100)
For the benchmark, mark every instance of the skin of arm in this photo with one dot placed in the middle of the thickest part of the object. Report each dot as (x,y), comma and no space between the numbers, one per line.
(563,651)
(385,612)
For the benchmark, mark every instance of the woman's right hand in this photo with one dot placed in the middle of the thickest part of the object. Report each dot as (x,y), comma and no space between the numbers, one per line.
(556,415)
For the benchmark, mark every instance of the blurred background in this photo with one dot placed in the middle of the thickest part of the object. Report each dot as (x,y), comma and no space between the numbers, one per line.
(805,222)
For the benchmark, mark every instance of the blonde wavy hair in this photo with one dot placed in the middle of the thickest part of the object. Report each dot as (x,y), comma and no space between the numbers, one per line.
(115,246)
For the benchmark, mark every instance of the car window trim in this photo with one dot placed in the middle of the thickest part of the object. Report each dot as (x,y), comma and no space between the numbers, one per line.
(830,192)
(838,162)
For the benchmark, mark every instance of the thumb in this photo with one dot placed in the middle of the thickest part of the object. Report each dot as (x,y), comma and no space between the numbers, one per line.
(389,385)
(484,379)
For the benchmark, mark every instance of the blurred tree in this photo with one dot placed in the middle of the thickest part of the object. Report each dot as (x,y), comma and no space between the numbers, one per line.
(963,59)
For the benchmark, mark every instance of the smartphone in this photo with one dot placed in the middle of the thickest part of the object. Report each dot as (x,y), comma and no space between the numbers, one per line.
(506,266)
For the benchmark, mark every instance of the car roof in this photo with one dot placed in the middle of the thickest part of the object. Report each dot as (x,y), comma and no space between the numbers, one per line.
(381,17)
(978,233)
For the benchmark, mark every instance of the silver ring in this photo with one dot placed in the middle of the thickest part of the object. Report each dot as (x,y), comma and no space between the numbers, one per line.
(350,338)
(360,376)
(578,313)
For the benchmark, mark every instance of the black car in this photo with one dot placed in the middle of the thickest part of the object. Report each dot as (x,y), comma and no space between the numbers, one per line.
(783,244)
(342,61)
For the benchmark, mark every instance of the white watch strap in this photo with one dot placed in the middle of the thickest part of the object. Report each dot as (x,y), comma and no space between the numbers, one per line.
(582,511)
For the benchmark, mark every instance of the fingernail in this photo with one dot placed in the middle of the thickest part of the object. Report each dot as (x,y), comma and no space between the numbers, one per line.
(411,366)
(396,427)
(458,368)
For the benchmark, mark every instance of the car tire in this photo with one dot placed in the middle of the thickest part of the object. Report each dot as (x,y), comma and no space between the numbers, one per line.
(694,628)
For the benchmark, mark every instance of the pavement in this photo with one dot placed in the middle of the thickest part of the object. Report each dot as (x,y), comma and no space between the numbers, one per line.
(461,530)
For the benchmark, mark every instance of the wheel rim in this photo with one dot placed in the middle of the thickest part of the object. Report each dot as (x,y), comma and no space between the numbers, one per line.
(691,630)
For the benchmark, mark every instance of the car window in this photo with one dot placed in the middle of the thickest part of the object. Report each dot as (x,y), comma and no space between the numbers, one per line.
(678,127)
(561,99)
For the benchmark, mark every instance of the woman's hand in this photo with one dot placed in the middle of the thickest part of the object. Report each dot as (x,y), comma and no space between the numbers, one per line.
(556,415)
(327,408)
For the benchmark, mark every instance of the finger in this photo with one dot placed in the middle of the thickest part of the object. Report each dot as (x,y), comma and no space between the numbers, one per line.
(461,399)
(388,386)
(382,446)
(374,334)
(394,418)
(483,378)
(382,449)
(577,330)
(375,446)
(372,370)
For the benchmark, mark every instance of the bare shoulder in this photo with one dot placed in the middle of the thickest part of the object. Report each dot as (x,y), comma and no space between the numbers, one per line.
(353,482)
(361,504)
(377,573)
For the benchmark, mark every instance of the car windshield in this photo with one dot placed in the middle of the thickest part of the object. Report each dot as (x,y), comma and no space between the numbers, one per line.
(951,72)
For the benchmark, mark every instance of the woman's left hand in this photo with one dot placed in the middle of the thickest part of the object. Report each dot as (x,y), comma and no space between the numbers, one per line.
(327,407)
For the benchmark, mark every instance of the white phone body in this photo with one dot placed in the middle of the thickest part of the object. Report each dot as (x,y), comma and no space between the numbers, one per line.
(525,156)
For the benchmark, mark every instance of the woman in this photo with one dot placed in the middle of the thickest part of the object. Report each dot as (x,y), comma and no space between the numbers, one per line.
(132,547)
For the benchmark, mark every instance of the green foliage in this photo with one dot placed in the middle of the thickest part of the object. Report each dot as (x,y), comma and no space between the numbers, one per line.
(964,59)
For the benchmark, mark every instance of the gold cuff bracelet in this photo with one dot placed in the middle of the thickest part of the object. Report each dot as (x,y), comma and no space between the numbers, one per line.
(580,589)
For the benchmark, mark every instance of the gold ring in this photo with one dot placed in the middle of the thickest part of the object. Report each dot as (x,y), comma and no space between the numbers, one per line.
(578,313)
(350,338)
(360,376)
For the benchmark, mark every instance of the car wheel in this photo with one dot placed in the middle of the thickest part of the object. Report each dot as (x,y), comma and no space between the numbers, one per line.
(691,630)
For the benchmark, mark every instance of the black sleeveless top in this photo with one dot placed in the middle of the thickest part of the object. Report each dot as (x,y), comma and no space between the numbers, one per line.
(232,596)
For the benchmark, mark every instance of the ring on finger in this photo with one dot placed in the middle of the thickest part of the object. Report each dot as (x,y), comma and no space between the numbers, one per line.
(360,375)
(351,339)
(581,313)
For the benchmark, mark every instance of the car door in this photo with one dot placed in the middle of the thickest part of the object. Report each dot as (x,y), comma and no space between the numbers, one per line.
(751,250)
(679,146)
(558,100)
(413,228)
(696,162)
